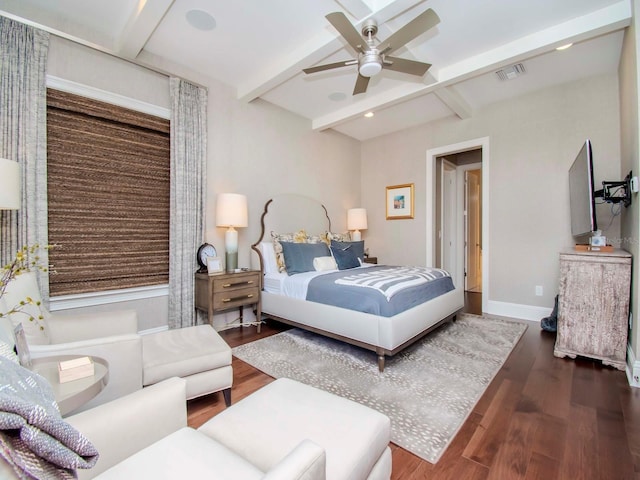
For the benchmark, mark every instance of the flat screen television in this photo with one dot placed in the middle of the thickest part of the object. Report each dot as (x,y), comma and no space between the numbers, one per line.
(582,195)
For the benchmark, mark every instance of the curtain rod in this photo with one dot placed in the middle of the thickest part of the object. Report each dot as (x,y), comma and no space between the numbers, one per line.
(94,46)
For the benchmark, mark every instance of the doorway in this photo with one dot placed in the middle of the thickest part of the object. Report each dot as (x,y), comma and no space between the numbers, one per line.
(459,222)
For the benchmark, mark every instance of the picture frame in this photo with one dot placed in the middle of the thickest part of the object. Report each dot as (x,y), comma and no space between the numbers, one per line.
(214,265)
(22,348)
(400,202)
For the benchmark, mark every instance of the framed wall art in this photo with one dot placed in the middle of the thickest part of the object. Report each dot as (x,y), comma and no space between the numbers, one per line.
(400,202)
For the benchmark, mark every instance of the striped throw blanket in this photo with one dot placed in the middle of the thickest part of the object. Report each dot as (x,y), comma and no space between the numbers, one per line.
(392,280)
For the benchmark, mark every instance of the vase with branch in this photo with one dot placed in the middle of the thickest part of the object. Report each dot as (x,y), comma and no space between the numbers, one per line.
(26,260)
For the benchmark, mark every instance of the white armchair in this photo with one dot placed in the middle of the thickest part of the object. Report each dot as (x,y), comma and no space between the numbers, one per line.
(112,336)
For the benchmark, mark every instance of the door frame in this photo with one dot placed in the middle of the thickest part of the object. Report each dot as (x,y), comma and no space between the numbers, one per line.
(430,205)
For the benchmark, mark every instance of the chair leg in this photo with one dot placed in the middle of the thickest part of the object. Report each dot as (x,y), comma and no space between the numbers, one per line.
(227,396)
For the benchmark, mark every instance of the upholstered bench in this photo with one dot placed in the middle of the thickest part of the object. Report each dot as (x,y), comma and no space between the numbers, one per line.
(268,424)
(197,354)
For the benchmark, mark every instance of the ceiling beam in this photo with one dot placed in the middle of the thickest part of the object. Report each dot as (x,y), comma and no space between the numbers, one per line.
(315,50)
(452,99)
(140,26)
(600,22)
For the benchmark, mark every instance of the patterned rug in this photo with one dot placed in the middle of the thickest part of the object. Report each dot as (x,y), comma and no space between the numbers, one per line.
(427,390)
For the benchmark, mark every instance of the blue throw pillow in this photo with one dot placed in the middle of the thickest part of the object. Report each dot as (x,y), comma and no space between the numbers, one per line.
(345,258)
(298,257)
(356,247)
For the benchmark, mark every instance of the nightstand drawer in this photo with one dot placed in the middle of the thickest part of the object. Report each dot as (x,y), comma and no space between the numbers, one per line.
(229,284)
(235,297)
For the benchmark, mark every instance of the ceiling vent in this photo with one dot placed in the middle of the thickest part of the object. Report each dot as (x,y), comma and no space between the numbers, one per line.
(511,72)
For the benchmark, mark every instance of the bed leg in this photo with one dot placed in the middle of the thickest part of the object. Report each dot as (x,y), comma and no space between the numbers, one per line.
(381,362)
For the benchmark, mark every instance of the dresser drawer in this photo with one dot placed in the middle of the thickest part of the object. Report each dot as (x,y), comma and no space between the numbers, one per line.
(235,297)
(221,285)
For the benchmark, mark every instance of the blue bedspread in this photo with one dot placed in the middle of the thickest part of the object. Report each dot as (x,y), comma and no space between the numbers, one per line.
(324,289)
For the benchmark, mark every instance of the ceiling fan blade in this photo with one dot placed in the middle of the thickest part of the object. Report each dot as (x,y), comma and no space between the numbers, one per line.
(411,30)
(405,66)
(361,84)
(341,23)
(329,66)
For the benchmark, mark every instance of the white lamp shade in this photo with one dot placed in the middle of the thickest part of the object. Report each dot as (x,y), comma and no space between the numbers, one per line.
(231,210)
(357,219)
(9,185)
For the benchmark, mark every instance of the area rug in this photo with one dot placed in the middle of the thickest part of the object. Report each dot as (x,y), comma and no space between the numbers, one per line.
(427,390)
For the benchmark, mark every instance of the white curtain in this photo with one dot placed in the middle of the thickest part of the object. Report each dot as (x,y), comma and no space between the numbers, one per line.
(188,183)
(23,113)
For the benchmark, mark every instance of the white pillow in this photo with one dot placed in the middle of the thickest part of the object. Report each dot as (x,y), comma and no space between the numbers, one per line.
(324,263)
(269,257)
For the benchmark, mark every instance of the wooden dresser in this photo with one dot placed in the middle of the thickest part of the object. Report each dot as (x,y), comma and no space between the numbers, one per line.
(224,291)
(593,306)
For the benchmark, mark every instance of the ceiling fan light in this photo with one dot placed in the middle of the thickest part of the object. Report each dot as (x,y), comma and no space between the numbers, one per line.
(369,69)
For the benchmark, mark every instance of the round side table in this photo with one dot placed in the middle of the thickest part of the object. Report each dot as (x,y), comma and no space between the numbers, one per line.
(73,394)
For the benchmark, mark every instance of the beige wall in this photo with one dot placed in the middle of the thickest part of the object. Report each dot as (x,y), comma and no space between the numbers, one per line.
(256,149)
(533,141)
(630,148)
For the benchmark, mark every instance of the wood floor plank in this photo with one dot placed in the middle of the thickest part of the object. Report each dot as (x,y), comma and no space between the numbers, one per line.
(491,431)
(586,415)
(581,460)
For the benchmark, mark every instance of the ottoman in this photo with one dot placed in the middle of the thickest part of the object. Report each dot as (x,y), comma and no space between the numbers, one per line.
(197,354)
(265,426)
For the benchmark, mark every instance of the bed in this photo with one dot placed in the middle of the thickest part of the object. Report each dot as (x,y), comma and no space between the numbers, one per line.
(384,334)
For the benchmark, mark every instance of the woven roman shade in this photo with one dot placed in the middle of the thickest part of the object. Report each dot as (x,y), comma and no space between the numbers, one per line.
(108,195)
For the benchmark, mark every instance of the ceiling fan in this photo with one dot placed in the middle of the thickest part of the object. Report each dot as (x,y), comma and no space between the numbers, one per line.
(373,58)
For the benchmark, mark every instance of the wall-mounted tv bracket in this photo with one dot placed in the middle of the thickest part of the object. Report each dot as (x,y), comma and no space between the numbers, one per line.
(616,192)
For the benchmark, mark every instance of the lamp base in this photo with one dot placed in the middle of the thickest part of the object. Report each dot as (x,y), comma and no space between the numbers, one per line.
(231,261)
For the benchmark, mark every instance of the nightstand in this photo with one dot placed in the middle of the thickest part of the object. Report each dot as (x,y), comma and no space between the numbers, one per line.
(371,260)
(224,291)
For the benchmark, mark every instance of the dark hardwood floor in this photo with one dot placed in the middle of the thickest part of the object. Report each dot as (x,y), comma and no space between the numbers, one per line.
(541,418)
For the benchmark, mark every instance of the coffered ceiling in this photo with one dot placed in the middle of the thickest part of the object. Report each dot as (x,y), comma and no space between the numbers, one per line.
(259,47)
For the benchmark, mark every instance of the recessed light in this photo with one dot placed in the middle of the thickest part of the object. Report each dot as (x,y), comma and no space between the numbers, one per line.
(201,20)
(564,47)
(337,96)
(368,114)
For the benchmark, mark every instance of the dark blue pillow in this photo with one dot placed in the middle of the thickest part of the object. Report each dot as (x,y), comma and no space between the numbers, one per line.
(345,258)
(356,247)
(298,257)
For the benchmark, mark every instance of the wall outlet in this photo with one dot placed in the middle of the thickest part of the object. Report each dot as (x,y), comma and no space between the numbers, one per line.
(538,290)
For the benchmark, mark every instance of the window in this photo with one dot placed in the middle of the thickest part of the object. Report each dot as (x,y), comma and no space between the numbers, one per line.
(108,195)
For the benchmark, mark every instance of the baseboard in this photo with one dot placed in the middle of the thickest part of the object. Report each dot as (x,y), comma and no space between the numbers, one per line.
(516,310)
(633,368)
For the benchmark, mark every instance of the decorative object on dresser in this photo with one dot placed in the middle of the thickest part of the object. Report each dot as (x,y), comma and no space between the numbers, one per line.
(218,293)
(356,221)
(400,202)
(593,308)
(231,211)
(204,253)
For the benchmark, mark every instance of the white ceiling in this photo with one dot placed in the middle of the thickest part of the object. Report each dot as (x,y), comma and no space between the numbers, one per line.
(259,47)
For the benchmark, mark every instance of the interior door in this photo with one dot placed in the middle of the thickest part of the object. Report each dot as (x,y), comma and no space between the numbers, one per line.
(473,229)
(449,218)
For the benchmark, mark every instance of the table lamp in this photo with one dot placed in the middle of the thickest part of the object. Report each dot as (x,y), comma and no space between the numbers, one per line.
(231,211)
(9,185)
(356,221)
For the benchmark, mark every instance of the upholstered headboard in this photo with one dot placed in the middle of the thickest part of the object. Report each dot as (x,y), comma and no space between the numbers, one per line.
(289,213)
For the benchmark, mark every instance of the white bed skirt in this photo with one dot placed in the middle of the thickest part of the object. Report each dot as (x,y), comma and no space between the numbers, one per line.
(385,332)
